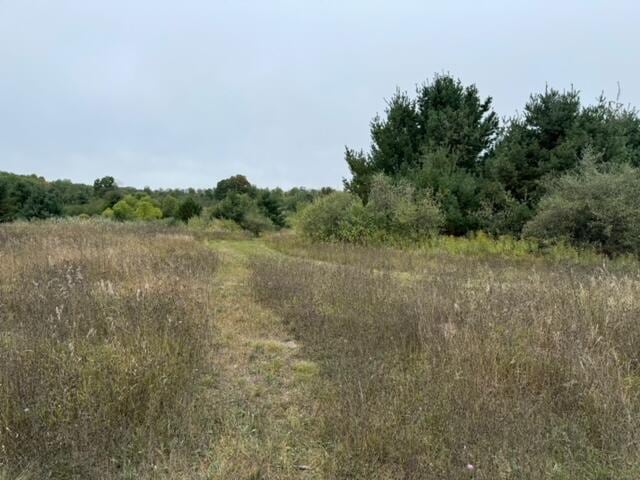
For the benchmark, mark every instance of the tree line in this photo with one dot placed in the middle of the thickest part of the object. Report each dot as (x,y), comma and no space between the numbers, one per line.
(560,170)
(440,161)
(235,198)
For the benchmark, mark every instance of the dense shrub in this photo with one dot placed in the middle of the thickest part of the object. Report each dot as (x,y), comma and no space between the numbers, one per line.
(338,216)
(187,209)
(398,210)
(243,209)
(593,207)
(395,211)
(169,206)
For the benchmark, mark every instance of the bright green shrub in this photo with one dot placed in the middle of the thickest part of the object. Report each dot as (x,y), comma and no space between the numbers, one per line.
(146,209)
(395,211)
(125,209)
(108,213)
(132,208)
(338,216)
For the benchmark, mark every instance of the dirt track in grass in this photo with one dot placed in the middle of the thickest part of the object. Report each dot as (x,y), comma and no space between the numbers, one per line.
(268,428)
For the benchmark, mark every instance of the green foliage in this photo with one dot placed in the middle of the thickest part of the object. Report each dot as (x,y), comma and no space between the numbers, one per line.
(243,210)
(270,203)
(132,208)
(458,191)
(396,139)
(103,185)
(234,184)
(552,136)
(446,141)
(540,143)
(233,207)
(395,211)
(33,197)
(595,207)
(333,217)
(188,208)
(255,222)
(125,209)
(27,197)
(445,116)
(4,200)
(146,209)
(169,205)
(454,118)
(108,213)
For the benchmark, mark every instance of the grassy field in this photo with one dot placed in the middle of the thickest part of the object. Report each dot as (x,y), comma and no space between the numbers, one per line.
(432,365)
(135,351)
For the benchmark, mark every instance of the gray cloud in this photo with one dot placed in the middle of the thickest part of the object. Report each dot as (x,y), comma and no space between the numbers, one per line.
(184,93)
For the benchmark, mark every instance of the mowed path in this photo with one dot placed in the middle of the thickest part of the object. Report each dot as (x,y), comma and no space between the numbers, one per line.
(267,427)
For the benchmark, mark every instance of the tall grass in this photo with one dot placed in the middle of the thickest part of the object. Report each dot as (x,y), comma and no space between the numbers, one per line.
(440,251)
(485,370)
(104,332)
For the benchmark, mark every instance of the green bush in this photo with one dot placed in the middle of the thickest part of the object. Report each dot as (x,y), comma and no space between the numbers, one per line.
(188,208)
(594,207)
(243,209)
(398,210)
(169,205)
(395,211)
(256,223)
(125,209)
(132,208)
(338,216)
(146,209)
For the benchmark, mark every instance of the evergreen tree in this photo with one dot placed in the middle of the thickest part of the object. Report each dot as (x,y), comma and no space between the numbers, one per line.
(396,139)
(454,118)
(188,208)
(270,204)
(445,117)
(552,136)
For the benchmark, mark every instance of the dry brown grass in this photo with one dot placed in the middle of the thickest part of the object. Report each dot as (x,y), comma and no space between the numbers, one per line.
(520,369)
(337,362)
(105,331)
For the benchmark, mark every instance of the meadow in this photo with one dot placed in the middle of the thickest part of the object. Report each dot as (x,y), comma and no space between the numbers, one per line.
(464,365)
(143,351)
(105,331)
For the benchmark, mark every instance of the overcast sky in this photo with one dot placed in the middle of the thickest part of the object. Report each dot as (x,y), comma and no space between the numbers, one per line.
(185,92)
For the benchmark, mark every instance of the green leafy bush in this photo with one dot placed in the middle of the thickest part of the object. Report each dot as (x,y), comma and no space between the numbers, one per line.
(146,209)
(243,209)
(338,216)
(395,211)
(169,205)
(398,210)
(125,209)
(595,207)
